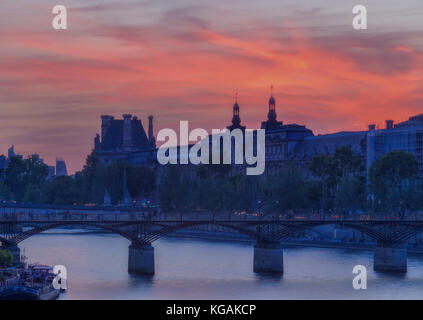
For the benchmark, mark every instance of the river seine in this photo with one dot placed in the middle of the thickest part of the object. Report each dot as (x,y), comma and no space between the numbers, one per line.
(200,269)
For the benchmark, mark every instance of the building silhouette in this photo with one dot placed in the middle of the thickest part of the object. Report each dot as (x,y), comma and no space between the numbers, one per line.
(61,169)
(297,144)
(236,120)
(51,172)
(125,140)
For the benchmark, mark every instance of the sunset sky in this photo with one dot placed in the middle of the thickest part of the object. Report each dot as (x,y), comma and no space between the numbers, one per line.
(185,59)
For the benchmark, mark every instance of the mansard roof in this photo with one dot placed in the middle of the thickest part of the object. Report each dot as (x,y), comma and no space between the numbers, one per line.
(414,121)
(328,143)
(139,137)
(292,132)
(114,136)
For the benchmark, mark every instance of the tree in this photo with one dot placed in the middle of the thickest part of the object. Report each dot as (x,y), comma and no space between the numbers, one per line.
(347,162)
(313,193)
(393,180)
(36,171)
(6,258)
(84,179)
(9,258)
(170,191)
(339,174)
(246,193)
(350,194)
(98,184)
(32,194)
(140,181)
(21,173)
(2,257)
(285,191)
(15,177)
(113,180)
(5,193)
(59,190)
(324,167)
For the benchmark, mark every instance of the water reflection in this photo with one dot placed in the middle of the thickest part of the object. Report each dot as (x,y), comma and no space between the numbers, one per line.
(195,269)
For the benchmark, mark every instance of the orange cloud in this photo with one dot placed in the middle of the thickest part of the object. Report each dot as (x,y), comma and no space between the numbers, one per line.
(55,86)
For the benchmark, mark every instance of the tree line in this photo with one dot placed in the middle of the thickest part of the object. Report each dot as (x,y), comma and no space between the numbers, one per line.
(326,183)
(25,180)
(329,183)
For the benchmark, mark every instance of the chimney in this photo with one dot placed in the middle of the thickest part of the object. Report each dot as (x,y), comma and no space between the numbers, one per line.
(389,124)
(372,127)
(127,132)
(105,125)
(150,130)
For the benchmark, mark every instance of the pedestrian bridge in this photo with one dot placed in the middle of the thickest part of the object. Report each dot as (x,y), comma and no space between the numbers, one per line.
(142,229)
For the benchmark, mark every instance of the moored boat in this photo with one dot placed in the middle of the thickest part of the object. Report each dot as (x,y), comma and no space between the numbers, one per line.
(28,282)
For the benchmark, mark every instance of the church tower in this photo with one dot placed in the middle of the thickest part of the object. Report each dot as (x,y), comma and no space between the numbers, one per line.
(271,122)
(236,120)
(271,116)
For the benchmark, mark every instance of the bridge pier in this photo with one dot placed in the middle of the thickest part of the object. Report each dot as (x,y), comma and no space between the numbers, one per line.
(268,258)
(390,259)
(141,259)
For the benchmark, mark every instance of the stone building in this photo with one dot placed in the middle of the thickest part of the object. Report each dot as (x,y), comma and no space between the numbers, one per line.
(125,140)
(406,136)
(296,144)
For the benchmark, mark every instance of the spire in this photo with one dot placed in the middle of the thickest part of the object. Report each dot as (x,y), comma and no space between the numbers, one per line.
(272,106)
(272,123)
(236,108)
(236,120)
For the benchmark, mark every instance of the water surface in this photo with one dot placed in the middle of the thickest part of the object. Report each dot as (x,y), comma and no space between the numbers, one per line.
(199,269)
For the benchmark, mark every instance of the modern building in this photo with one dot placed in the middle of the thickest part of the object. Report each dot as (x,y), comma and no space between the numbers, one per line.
(51,172)
(61,169)
(11,152)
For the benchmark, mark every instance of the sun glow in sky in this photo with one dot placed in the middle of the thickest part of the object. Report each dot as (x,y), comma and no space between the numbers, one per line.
(185,59)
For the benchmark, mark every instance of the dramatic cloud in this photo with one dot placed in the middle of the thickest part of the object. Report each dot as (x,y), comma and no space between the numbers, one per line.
(184,60)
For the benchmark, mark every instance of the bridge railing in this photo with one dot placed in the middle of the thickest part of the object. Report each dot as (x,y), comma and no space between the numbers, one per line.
(142,216)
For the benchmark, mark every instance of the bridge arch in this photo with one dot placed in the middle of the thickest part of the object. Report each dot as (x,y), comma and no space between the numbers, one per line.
(146,232)
(169,228)
(380,232)
(37,230)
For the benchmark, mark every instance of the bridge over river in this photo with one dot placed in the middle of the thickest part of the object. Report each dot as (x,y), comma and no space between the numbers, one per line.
(142,228)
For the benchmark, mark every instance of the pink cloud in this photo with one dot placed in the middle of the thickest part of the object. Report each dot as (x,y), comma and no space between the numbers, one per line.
(54,87)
